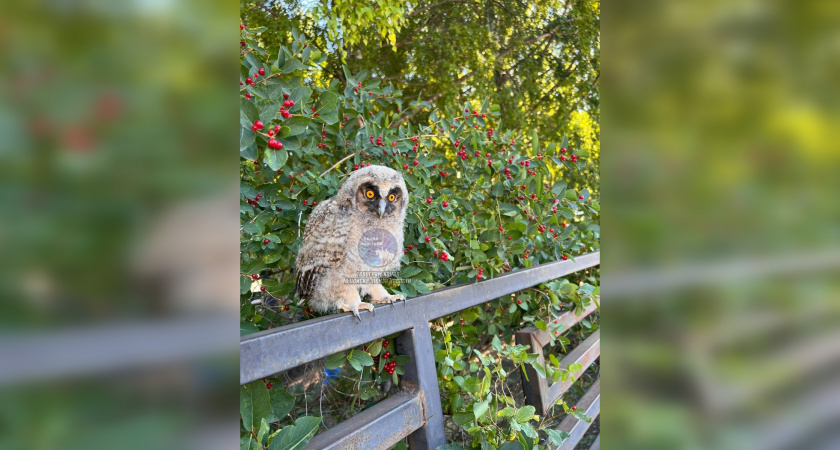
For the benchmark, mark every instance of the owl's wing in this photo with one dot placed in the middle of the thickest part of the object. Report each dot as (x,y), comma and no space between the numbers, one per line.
(323,246)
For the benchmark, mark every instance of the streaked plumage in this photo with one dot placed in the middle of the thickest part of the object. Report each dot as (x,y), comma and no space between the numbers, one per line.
(330,258)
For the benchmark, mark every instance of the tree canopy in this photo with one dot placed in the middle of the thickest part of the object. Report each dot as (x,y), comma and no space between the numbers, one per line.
(539,61)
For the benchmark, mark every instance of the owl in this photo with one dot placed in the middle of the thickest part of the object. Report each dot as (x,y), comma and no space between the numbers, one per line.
(352,241)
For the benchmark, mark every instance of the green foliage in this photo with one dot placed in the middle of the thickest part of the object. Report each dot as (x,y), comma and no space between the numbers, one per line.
(539,62)
(484,201)
(353,21)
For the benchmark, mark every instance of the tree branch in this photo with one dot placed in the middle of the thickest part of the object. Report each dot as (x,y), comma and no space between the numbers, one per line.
(585,96)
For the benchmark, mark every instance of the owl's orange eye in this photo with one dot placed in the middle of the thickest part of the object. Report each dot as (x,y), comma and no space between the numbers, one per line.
(392,197)
(369,193)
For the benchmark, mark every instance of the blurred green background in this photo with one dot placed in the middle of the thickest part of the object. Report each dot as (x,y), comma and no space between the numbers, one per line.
(722,240)
(118,121)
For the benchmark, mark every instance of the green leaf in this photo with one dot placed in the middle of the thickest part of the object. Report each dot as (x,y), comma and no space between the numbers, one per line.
(566,212)
(463,418)
(244,285)
(297,125)
(362,357)
(248,110)
(297,435)
(268,112)
(525,414)
(410,271)
(263,431)
(282,403)
(368,393)
(335,361)
(246,138)
(497,344)
(535,142)
(299,94)
(556,436)
(376,348)
(471,385)
(574,368)
(421,287)
(330,117)
(479,409)
(511,445)
(326,102)
(558,187)
(275,159)
(253,61)
(450,447)
(247,328)
(254,404)
(291,65)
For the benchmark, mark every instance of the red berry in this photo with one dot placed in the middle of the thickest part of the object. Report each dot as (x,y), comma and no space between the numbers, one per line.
(580,197)
(261,71)
(262,288)
(556,333)
(445,204)
(241,27)
(387,355)
(266,241)
(565,257)
(248,95)
(416,162)
(286,308)
(385,343)
(428,239)
(258,124)
(519,302)
(268,385)
(429,200)
(556,321)
(501,229)
(255,276)
(405,166)
(574,408)
(562,157)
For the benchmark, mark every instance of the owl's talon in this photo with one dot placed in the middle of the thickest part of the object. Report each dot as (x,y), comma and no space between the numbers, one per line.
(355,309)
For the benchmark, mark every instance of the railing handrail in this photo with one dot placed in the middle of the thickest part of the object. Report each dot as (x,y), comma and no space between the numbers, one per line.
(272,351)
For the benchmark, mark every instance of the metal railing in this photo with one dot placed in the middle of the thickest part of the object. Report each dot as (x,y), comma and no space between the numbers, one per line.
(416,412)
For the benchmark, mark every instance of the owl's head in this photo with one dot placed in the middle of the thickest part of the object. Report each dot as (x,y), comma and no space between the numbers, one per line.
(377,191)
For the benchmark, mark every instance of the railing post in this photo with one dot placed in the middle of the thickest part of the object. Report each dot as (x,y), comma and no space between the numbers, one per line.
(417,343)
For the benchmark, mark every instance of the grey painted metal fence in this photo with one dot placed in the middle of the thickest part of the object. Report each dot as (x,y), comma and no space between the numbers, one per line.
(416,412)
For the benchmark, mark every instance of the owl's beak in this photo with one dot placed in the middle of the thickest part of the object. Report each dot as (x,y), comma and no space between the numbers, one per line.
(381,208)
